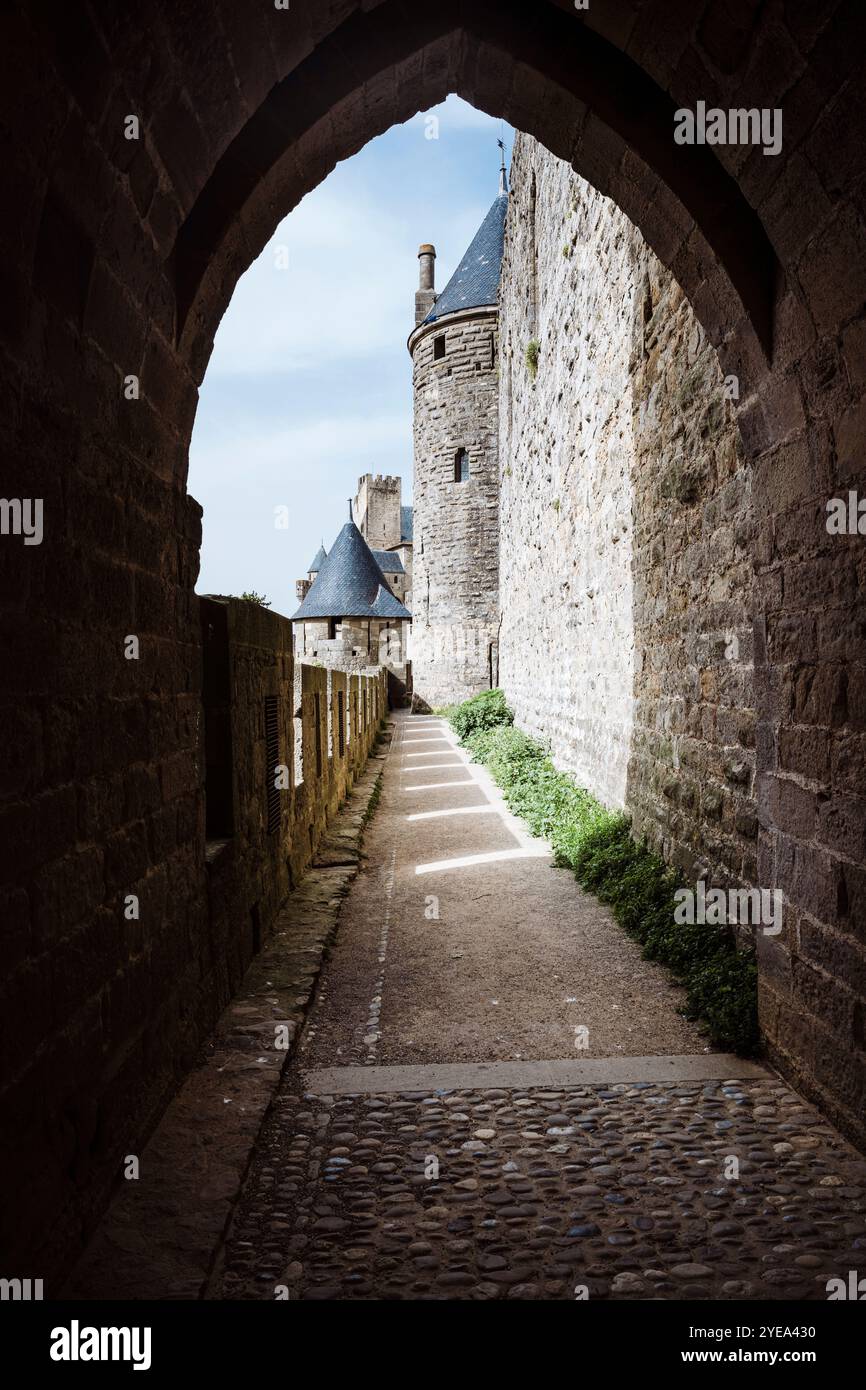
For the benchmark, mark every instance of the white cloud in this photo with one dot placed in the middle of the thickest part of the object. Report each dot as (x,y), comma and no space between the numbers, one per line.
(295,454)
(346,292)
(347,289)
(310,469)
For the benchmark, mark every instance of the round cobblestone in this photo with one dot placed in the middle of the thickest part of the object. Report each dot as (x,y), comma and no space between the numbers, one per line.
(634,1202)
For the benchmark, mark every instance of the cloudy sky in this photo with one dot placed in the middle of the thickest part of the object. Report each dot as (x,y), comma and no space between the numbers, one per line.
(310,382)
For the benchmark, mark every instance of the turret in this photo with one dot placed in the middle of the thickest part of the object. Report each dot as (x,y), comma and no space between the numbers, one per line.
(455,584)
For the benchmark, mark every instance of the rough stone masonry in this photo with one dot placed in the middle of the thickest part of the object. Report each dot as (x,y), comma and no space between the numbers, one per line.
(634,588)
(625,528)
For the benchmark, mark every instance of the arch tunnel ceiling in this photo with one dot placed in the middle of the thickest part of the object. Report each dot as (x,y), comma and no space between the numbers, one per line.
(613,122)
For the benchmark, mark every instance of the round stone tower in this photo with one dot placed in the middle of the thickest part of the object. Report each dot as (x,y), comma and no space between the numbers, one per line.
(454,348)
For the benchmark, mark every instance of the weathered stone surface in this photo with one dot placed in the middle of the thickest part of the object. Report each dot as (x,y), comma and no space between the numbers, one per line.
(675,617)
(455,606)
(161,1233)
(625,526)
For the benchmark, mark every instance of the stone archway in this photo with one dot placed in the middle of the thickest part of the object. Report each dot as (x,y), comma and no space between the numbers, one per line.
(689,207)
(119,265)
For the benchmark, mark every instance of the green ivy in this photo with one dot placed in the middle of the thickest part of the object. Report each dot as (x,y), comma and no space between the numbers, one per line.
(484,711)
(720,980)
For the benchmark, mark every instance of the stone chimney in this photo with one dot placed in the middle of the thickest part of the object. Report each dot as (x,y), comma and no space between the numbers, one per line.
(425,296)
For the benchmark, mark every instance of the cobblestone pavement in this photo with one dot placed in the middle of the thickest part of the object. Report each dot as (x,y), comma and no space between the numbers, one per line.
(671,1189)
(627,1192)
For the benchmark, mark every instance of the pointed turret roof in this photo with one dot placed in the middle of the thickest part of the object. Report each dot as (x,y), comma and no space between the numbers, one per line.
(319,560)
(350,584)
(475,282)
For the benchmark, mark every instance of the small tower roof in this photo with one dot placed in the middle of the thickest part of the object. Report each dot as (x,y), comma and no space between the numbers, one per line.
(320,559)
(475,282)
(389,561)
(350,584)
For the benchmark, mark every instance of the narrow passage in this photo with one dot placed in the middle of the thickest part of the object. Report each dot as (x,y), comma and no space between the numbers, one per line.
(494,1096)
(460,942)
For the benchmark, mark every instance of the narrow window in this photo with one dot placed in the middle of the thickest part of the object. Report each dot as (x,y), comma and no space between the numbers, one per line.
(216,699)
(272,758)
(332,629)
(318,700)
(461,466)
(439,348)
(341,722)
(329,707)
(298,725)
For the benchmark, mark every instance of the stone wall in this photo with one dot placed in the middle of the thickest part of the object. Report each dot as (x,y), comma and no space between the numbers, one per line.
(376,510)
(625,531)
(455,586)
(330,764)
(674,622)
(135,988)
(251,870)
(566,448)
(692,774)
(360,646)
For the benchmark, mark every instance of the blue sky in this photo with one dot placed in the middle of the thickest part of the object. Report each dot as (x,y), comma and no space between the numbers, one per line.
(310,382)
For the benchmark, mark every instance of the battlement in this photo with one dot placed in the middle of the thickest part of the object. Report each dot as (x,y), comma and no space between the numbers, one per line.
(376,509)
(381,481)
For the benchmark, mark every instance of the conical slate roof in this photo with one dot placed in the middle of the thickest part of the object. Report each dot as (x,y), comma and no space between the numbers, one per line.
(319,561)
(350,584)
(475,282)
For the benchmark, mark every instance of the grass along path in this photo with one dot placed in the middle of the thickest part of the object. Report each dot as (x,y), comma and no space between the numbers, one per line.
(597,844)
